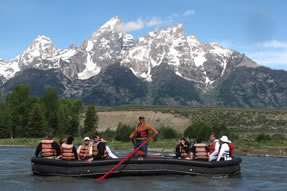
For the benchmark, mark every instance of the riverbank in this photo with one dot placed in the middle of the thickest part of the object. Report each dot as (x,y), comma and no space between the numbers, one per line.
(243,148)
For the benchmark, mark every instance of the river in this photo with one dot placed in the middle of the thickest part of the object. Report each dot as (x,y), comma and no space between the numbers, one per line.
(258,173)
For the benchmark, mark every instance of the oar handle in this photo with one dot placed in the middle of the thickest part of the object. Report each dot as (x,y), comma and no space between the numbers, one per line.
(127,157)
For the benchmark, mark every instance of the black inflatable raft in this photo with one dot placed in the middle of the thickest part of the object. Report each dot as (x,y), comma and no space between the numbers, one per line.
(148,166)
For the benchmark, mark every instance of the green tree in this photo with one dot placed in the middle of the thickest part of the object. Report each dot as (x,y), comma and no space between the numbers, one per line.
(73,125)
(198,130)
(167,133)
(108,134)
(37,125)
(91,121)
(123,132)
(18,104)
(51,104)
(4,121)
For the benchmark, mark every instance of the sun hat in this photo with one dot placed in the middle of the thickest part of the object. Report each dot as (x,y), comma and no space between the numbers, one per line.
(224,139)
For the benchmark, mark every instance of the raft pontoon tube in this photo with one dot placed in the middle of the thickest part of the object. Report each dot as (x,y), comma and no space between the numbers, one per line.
(132,167)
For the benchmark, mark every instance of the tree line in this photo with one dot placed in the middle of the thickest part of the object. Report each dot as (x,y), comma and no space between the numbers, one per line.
(22,115)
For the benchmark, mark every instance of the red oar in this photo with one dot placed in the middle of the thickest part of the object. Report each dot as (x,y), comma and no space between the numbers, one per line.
(127,157)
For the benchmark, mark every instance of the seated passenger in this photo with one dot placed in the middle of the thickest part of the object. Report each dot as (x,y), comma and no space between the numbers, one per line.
(183,149)
(110,154)
(85,150)
(69,151)
(48,148)
(213,147)
(226,149)
(99,149)
(199,150)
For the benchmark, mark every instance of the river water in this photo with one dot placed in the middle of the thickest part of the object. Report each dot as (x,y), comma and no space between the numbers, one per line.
(258,173)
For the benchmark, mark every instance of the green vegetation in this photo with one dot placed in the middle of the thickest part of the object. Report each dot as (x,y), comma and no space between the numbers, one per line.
(24,116)
(123,132)
(91,121)
(203,130)
(253,131)
(168,133)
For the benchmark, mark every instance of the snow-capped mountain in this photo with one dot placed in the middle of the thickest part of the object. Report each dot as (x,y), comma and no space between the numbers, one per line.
(166,66)
(82,62)
(190,59)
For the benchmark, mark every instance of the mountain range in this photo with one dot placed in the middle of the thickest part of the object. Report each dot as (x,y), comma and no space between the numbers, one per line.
(165,67)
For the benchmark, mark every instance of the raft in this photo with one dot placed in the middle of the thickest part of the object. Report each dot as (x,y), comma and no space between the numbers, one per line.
(159,165)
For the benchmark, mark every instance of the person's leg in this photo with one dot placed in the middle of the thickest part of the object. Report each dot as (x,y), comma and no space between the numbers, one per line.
(136,146)
(144,149)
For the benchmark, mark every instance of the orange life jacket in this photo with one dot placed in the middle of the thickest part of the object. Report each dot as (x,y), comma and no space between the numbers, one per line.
(84,152)
(96,151)
(46,149)
(67,152)
(200,151)
(139,132)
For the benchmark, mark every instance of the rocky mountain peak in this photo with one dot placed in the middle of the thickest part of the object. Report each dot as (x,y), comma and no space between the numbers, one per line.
(112,24)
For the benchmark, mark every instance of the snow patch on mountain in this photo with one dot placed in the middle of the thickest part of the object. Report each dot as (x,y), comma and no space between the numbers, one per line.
(90,70)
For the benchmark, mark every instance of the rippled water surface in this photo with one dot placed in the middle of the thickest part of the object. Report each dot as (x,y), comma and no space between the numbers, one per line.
(258,173)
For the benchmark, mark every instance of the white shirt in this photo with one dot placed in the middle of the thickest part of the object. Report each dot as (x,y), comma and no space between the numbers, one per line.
(224,152)
(213,155)
(110,152)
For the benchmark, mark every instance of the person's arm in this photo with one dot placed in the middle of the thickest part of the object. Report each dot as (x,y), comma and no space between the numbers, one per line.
(91,151)
(150,128)
(223,147)
(215,152)
(177,151)
(192,151)
(56,146)
(110,152)
(75,152)
(132,135)
(38,149)
(79,149)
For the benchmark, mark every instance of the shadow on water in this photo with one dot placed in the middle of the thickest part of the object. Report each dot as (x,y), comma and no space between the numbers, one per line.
(258,173)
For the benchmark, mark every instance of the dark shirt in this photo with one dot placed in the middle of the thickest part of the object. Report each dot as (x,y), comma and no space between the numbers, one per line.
(55,145)
(75,152)
(177,150)
(101,149)
(193,149)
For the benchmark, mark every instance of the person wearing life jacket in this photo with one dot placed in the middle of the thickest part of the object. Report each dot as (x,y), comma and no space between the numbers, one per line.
(110,154)
(48,148)
(69,151)
(199,150)
(141,134)
(182,150)
(85,150)
(99,149)
(213,147)
(225,149)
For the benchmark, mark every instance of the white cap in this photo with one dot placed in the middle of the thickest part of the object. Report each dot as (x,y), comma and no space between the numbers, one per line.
(86,139)
(224,139)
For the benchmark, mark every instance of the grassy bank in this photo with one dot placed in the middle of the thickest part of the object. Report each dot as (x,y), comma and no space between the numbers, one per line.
(242,147)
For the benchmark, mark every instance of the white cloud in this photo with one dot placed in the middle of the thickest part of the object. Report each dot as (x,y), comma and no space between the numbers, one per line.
(132,25)
(273,44)
(155,21)
(189,12)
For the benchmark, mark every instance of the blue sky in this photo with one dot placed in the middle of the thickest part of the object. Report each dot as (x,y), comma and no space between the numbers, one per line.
(256,28)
